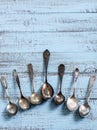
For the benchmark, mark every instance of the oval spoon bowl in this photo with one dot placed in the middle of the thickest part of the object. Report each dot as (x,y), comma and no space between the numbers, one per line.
(47,91)
(84,110)
(72,104)
(12,108)
(59,99)
(24,103)
(35,99)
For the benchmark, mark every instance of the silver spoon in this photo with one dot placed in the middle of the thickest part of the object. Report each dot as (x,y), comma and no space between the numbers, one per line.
(47,90)
(11,107)
(35,98)
(59,98)
(23,101)
(85,109)
(72,102)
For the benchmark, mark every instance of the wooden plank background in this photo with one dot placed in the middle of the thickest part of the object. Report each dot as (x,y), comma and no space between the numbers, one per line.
(69,30)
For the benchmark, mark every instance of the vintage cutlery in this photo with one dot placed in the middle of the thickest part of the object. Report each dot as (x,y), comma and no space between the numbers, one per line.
(23,101)
(85,109)
(35,98)
(72,102)
(47,90)
(11,107)
(60,98)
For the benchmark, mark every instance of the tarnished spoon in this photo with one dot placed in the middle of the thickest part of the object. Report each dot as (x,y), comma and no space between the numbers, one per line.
(35,98)
(47,90)
(59,98)
(72,102)
(11,107)
(23,101)
(85,109)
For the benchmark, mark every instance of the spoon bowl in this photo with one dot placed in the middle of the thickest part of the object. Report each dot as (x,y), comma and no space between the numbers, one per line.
(24,103)
(84,110)
(72,103)
(12,108)
(35,98)
(47,91)
(59,98)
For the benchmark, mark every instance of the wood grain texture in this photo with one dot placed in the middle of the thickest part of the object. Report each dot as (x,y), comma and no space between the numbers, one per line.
(69,30)
(51,6)
(49,22)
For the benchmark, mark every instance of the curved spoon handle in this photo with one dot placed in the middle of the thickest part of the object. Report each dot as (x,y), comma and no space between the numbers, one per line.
(17,80)
(76,74)
(46,56)
(61,69)
(30,69)
(4,84)
(92,81)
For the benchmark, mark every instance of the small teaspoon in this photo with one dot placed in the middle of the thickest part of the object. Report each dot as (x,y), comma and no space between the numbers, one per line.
(35,98)
(23,101)
(11,107)
(47,90)
(72,102)
(60,98)
(85,109)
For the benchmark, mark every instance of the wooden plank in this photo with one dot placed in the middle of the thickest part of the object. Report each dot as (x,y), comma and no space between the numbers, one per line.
(51,6)
(8,61)
(49,22)
(74,42)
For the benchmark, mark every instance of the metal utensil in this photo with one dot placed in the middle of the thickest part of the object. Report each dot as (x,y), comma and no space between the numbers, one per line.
(72,102)
(11,107)
(85,109)
(23,101)
(47,90)
(59,98)
(35,98)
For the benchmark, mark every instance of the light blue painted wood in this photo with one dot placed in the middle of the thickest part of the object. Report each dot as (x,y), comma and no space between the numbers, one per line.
(51,6)
(49,22)
(32,42)
(69,30)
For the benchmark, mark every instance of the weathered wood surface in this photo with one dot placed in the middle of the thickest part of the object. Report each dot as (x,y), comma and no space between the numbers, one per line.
(57,6)
(69,30)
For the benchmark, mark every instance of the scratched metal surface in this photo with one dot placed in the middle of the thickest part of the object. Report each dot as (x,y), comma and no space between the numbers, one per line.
(69,30)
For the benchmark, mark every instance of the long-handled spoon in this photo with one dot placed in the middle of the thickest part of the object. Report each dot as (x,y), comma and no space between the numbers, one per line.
(47,90)
(59,98)
(72,102)
(11,107)
(23,101)
(35,98)
(85,109)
